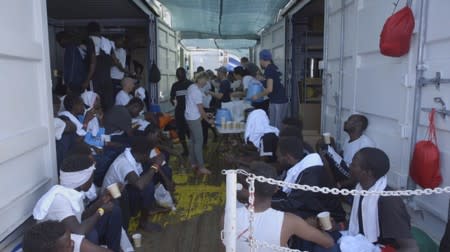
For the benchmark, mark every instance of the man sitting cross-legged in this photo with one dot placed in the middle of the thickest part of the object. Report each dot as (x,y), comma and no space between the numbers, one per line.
(135,170)
(382,220)
(305,170)
(100,222)
(53,236)
(271,226)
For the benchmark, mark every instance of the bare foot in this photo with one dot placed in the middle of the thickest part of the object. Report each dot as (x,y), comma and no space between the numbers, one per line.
(203,171)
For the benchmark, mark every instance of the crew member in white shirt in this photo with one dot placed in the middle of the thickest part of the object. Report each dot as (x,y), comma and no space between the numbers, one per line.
(355,126)
(124,96)
(194,114)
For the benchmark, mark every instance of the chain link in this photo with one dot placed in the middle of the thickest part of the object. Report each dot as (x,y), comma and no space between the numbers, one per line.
(336,191)
(251,207)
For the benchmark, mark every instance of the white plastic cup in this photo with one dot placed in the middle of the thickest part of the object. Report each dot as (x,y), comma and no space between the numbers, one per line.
(114,190)
(223,123)
(229,125)
(137,240)
(106,138)
(327,137)
(325,221)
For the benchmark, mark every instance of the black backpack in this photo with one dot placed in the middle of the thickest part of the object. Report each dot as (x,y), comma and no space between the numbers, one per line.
(155,74)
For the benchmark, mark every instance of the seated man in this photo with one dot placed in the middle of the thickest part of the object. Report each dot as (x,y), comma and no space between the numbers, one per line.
(64,133)
(263,136)
(118,120)
(100,222)
(52,236)
(75,113)
(355,127)
(128,170)
(272,226)
(125,95)
(296,132)
(305,170)
(382,220)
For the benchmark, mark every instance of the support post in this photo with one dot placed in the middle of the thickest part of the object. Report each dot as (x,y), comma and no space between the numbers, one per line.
(230,213)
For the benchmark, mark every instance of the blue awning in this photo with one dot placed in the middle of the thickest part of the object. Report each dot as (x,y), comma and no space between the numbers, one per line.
(225,19)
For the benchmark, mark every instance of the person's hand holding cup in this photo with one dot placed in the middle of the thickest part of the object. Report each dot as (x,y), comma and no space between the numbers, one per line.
(114,190)
(327,138)
(325,221)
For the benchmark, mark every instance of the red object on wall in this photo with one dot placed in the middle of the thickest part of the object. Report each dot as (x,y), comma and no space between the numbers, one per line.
(425,165)
(397,32)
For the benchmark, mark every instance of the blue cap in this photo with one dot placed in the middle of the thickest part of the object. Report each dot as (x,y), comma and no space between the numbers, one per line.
(265,54)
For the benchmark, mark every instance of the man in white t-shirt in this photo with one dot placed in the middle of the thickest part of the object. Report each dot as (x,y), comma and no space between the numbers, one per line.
(101,222)
(128,170)
(124,96)
(52,236)
(118,69)
(355,126)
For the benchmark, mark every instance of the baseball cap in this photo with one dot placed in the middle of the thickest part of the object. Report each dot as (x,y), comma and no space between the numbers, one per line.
(222,69)
(265,54)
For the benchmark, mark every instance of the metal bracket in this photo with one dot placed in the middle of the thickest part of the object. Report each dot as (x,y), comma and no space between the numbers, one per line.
(434,81)
(443,110)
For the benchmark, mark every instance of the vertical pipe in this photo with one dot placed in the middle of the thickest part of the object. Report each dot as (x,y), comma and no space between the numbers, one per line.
(341,75)
(420,69)
(326,75)
(230,213)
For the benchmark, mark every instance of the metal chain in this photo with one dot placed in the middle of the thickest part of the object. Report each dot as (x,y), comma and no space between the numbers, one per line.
(251,207)
(336,191)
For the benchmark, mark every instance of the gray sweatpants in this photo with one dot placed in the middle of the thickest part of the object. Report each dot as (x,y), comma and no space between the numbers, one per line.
(277,112)
(196,142)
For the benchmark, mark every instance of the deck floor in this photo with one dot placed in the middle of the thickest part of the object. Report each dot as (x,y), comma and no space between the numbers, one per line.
(195,225)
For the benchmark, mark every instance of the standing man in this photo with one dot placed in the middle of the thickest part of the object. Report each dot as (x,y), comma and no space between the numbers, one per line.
(274,89)
(74,64)
(178,99)
(100,53)
(118,70)
(224,94)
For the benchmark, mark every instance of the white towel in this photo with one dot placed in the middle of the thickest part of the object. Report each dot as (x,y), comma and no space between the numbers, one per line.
(60,125)
(75,198)
(89,98)
(369,210)
(74,120)
(137,167)
(141,122)
(257,126)
(102,43)
(140,93)
(125,243)
(76,179)
(91,194)
(310,160)
(93,126)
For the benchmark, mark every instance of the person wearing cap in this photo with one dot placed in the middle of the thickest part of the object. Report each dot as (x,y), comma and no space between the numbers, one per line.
(224,94)
(274,89)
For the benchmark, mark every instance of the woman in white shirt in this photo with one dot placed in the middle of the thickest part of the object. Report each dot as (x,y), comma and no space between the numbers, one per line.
(194,114)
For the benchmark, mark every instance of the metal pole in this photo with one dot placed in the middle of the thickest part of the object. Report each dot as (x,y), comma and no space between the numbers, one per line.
(420,69)
(341,76)
(230,213)
(325,76)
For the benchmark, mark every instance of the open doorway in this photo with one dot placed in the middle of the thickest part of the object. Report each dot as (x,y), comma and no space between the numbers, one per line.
(307,52)
(121,19)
